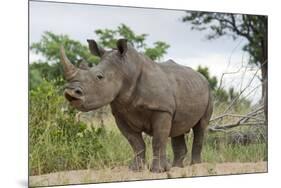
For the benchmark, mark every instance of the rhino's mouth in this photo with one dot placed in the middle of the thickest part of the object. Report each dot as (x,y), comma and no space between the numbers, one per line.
(75,101)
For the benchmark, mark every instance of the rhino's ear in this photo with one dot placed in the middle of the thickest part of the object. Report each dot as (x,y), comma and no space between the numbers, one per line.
(122,46)
(95,49)
(84,65)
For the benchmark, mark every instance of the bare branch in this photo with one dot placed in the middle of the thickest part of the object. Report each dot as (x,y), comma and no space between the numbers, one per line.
(236,115)
(237,97)
(243,120)
(213,129)
(229,61)
(232,125)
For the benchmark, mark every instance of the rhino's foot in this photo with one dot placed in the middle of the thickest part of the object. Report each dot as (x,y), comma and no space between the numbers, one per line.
(137,165)
(195,161)
(179,149)
(178,160)
(178,164)
(160,166)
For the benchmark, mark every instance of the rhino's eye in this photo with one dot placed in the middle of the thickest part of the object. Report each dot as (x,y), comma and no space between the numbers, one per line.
(99,76)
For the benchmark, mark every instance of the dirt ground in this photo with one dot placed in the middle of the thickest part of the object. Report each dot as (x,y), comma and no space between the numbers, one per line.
(123,174)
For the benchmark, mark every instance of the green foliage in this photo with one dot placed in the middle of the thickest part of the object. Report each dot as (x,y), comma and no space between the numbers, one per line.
(213,81)
(221,95)
(41,70)
(49,46)
(49,68)
(56,141)
(108,38)
(157,52)
(35,78)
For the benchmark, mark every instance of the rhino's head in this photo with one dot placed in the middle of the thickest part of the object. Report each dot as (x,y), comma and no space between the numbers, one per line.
(91,88)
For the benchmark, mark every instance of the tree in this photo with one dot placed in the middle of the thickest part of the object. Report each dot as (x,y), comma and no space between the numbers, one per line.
(49,68)
(251,27)
(157,52)
(48,47)
(213,81)
(108,37)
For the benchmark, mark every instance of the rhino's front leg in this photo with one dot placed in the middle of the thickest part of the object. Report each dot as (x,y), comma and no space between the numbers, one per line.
(161,126)
(137,143)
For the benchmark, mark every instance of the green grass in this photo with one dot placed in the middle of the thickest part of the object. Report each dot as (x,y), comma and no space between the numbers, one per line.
(114,150)
(236,153)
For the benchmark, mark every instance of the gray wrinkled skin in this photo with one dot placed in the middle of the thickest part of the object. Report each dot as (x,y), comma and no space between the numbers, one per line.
(163,100)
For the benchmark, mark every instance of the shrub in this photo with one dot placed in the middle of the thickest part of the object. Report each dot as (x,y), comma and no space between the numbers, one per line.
(57,142)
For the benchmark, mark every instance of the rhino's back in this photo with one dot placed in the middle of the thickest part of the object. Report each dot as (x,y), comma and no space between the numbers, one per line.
(191,92)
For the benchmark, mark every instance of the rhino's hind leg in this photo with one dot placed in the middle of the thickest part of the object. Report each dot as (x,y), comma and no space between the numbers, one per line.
(198,133)
(179,150)
(198,136)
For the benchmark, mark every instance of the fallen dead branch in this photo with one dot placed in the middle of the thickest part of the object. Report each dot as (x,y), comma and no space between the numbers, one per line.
(249,119)
(248,115)
(244,120)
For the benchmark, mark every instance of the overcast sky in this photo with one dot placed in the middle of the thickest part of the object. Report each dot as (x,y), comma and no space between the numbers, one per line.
(187,47)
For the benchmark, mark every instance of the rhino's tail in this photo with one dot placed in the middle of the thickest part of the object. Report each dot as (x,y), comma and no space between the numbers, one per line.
(209,110)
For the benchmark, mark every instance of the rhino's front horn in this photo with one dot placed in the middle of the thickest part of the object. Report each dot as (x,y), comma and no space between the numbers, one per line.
(69,69)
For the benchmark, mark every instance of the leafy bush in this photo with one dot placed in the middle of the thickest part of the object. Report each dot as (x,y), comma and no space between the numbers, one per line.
(57,142)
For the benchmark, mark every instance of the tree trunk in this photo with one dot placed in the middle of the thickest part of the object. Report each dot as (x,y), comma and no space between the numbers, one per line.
(264,70)
(265,89)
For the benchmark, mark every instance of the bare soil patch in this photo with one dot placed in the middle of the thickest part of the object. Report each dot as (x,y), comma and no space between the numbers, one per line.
(122,173)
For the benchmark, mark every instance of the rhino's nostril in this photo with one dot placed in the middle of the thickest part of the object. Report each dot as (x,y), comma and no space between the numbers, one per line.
(78,91)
